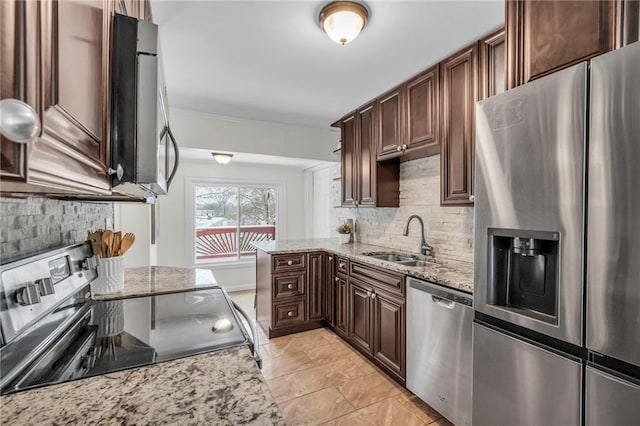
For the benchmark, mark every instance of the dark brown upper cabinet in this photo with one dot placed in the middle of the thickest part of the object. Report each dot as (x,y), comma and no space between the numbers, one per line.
(422,115)
(492,64)
(367,162)
(409,118)
(547,36)
(56,57)
(459,94)
(365,182)
(65,77)
(390,124)
(140,9)
(350,168)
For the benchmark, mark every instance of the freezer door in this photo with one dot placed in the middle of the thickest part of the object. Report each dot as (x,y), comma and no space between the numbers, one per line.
(516,383)
(530,154)
(611,400)
(613,243)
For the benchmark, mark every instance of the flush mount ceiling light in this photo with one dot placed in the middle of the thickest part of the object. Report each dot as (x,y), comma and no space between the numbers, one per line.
(343,20)
(221,157)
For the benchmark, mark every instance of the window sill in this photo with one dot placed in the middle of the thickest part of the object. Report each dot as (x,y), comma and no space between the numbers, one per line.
(234,264)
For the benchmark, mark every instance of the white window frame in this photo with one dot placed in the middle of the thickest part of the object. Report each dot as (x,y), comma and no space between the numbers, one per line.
(191,182)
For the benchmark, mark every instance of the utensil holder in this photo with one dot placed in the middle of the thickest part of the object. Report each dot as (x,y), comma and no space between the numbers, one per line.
(110,276)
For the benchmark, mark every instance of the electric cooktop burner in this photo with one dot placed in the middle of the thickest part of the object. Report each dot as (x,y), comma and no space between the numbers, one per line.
(121,334)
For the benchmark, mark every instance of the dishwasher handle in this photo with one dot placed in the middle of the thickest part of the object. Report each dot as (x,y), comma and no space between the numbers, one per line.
(442,302)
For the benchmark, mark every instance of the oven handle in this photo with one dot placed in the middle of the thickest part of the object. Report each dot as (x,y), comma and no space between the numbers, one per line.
(254,335)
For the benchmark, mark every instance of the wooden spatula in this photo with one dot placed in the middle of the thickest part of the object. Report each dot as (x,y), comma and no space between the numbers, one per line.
(107,243)
(96,243)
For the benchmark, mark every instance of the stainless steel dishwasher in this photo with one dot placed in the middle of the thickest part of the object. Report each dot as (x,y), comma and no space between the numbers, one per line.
(439,350)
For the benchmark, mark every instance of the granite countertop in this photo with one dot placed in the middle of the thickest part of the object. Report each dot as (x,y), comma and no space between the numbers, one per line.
(456,275)
(160,279)
(223,388)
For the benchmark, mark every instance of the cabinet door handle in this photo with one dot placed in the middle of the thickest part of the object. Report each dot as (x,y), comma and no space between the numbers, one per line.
(290,286)
(290,313)
(289,262)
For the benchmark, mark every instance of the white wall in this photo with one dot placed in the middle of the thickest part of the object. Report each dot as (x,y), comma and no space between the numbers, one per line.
(172,233)
(136,218)
(207,131)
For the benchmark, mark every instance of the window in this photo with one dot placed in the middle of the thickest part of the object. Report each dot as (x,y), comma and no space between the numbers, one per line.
(228,217)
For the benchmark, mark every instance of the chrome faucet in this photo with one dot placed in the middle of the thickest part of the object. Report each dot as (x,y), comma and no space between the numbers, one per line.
(425,248)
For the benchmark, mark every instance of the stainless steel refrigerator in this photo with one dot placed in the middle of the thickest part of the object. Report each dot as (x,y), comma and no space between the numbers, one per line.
(558,176)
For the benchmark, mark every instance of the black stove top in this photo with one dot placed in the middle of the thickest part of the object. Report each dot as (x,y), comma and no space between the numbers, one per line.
(112,335)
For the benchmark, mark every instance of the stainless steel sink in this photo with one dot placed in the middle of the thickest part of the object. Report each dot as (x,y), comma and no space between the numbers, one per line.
(421,263)
(391,257)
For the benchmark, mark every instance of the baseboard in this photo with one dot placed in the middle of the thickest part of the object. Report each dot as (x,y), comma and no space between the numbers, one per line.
(238,287)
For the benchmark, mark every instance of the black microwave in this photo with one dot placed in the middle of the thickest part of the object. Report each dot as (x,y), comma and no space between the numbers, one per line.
(144,152)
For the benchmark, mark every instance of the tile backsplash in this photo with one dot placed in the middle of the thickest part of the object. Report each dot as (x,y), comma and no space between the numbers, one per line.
(448,229)
(29,225)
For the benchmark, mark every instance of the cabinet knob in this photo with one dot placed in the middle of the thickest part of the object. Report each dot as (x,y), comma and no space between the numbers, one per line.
(290,313)
(342,264)
(330,257)
(368,293)
(404,147)
(373,295)
(290,286)
(472,197)
(336,279)
(398,148)
(289,262)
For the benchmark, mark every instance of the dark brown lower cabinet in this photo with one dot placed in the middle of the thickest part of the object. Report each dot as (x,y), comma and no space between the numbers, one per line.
(360,320)
(375,316)
(389,332)
(341,303)
(289,292)
(317,276)
(364,305)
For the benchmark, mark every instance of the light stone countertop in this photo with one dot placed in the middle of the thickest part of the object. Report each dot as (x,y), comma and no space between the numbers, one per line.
(456,275)
(222,388)
(147,280)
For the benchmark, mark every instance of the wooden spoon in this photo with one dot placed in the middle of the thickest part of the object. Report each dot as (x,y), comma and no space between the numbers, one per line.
(127,241)
(117,241)
(107,241)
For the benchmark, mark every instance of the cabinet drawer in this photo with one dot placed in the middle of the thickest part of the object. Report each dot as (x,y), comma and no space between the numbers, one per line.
(342,265)
(289,262)
(287,313)
(289,285)
(386,280)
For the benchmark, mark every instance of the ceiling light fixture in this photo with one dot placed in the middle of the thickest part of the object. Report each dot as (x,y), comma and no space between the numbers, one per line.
(221,157)
(343,20)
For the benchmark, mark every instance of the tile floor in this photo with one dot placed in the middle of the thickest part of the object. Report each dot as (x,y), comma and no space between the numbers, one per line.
(316,378)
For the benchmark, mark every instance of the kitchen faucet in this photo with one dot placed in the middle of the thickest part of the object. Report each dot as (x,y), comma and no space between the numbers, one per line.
(425,248)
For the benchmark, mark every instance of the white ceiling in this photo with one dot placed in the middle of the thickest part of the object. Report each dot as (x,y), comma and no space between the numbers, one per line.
(204,156)
(269,60)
